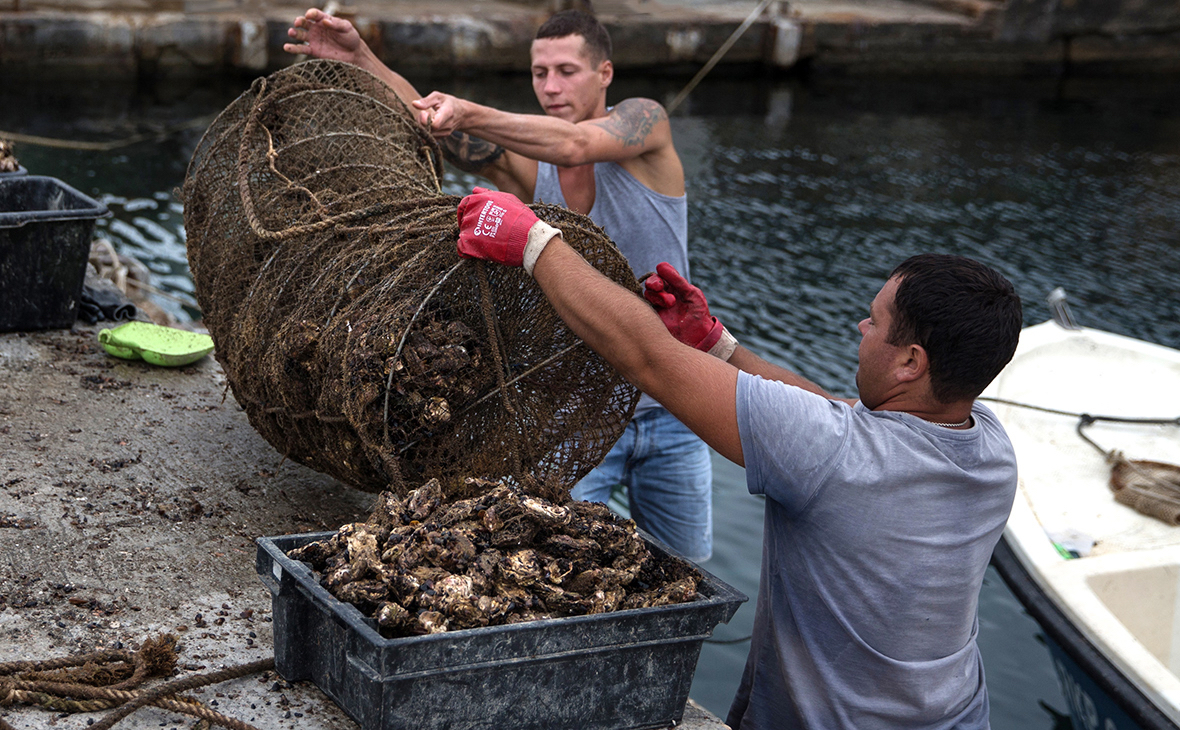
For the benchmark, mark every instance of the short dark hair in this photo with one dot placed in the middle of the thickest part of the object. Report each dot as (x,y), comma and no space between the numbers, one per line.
(964,314)
(579,22)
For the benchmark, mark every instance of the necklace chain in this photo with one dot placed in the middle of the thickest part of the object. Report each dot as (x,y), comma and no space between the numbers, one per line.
(960,424)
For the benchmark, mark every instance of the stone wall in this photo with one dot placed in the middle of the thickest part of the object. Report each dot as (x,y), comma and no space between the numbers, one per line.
(1045,20)
(161,39)
(1097,35)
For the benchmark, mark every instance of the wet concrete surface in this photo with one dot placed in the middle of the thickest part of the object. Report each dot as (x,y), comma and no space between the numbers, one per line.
(130,499)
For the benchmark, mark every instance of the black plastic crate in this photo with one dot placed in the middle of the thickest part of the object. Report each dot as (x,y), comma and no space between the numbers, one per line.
(45,232)
(624,669)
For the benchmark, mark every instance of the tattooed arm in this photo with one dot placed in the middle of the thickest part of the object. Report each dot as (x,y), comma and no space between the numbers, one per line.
(635,133)
(470,154)
(633,122)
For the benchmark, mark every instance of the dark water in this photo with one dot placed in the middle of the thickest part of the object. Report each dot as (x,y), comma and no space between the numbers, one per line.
(803,196)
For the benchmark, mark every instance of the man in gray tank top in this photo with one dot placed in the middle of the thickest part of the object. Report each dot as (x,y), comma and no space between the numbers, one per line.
(881,512)
(615,164)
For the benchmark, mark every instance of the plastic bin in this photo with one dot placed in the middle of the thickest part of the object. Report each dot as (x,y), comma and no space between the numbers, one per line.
(624,669)
(45,231)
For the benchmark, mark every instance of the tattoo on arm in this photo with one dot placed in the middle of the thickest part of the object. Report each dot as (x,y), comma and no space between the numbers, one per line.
(633,120)
(470,154)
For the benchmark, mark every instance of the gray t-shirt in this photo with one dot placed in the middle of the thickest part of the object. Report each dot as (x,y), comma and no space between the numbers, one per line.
(879,527)
(648,227)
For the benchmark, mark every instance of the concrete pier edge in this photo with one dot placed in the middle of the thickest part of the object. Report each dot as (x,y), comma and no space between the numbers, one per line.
(168,39)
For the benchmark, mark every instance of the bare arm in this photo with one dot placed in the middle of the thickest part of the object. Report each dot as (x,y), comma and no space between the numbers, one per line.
(320,35)
(747,361)
(698,389)
(635,133)
(509,172)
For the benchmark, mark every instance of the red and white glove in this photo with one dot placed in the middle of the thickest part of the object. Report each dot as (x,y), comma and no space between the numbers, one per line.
(496,226)
(684,311)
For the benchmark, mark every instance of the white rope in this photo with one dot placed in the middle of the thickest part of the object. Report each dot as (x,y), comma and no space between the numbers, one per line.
(717,56)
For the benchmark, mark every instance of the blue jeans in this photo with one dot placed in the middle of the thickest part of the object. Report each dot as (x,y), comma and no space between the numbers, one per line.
(669,479)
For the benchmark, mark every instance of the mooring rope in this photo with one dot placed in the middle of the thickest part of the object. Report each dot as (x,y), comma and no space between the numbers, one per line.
(1091,417)
(717,56)
(202,121)
(1166,492)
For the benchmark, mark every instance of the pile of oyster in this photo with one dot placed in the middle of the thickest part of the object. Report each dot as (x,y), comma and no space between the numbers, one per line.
(439,361)
(8,161)
(420,565)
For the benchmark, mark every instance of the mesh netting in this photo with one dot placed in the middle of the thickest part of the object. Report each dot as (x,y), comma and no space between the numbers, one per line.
(356,339)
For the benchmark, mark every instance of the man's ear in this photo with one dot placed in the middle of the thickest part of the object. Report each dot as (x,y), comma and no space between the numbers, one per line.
(913,364)
(607,72)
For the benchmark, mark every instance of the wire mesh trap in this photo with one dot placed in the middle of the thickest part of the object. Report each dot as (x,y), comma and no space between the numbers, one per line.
(357,341)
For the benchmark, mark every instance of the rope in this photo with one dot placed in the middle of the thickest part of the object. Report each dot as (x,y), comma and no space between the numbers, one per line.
(77,660)
(717,56)
(74,688)
(1116,457)
(184,685)
(264,102)
(105,146)
(1166,491)
(1092,418)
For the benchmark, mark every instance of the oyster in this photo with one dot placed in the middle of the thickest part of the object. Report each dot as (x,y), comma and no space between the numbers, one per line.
(422,565)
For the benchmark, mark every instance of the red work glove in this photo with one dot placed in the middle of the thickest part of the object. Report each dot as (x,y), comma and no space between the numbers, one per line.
(684,311)
(496,226)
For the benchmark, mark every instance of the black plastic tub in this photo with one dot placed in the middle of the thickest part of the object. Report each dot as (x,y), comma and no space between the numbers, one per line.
(45,232)
(625,669)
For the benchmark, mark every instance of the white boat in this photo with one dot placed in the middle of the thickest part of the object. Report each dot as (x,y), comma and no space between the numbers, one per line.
(1112,613)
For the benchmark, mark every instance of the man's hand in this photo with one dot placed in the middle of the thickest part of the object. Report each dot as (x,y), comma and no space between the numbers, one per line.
(496,226)
(684,311)
(442,112)
(320,35)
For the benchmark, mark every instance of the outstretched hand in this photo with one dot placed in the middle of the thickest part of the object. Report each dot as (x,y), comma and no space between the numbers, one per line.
(685,312)
(319,35)
(496,226)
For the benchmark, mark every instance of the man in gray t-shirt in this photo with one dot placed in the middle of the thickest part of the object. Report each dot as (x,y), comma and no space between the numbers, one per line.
(879,526)
(881,512)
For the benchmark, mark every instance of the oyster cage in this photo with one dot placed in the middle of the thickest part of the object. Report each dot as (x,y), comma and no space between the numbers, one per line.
(624,669)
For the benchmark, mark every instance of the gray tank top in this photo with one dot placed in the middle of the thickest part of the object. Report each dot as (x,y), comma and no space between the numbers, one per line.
(646,226)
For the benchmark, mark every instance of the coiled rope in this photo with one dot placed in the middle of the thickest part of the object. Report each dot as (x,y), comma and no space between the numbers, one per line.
(109,679)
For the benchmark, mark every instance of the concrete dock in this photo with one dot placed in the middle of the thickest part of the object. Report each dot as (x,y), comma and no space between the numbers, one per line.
(154,40)
(130,499)
(130,496)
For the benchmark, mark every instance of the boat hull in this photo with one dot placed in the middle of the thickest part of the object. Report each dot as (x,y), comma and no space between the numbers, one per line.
(1100,697)
(1101,578)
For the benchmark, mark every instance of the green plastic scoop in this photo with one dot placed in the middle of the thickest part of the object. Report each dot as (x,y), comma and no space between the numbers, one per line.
(155,344)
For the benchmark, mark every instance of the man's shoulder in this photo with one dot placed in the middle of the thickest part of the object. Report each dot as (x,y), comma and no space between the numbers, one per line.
(639,103)
(634,120)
